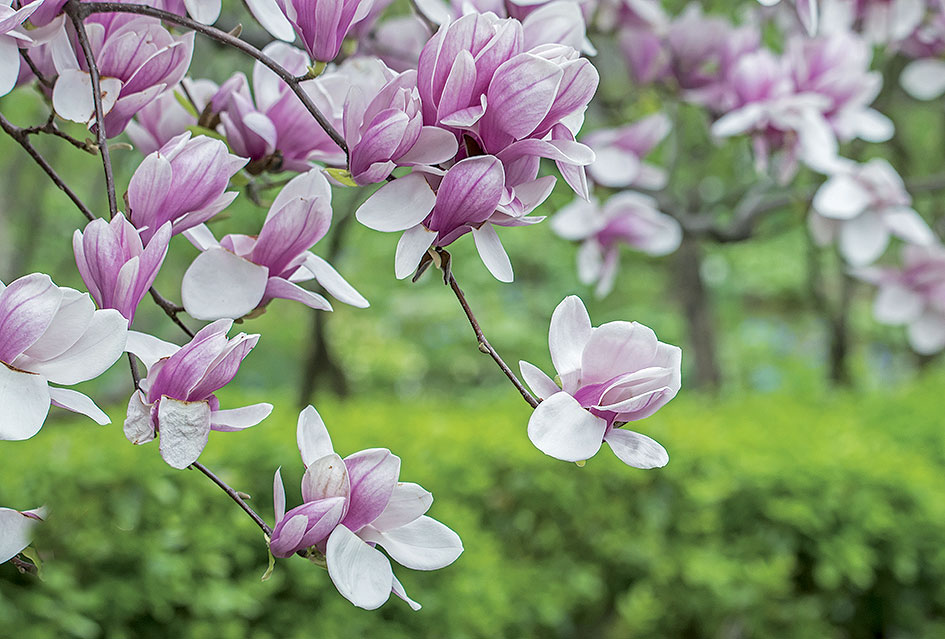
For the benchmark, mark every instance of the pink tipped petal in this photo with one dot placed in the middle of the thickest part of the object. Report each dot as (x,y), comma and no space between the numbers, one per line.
(331,280)
(184,430)
(492,253)
(234,419)
(569,332)
(28,307)
(615,348)
(326,477)
(410,249)
(219,284)
(408,502)
(469,193)
(434,145)
(636,450)
(560,428)
(398,205)
(288,535)
(423,544)
(312,436)
(541,384)
(361,573)
(25,401)
(71,321)
(78,403)
(16,533)
(373,474)
(286,290)
(278,496)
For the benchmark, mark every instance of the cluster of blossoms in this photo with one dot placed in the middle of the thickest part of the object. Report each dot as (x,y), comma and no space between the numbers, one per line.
(455,123)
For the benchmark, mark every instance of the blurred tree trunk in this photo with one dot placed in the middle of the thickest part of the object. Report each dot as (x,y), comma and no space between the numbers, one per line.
(836,317)
(697,309)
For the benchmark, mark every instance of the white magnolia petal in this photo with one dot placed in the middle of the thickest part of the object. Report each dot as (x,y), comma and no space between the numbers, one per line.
(99,347)
(559,427)
(326,477)
(398,205)
(78,403)
(410,249)
(138,428)
(234,419)
(148,348)
(16,533)
(568,334)
(636,450)
(841,197)
(542,385)
(361,573)
(204,11)
(312,436)
(924,79)
(927,334)
(895,304)
(408,502)
(25,401)
(10,69)
(221,284)
(268,14)
(333,282)
(184,430)
(492,252)
(423,544)
(398,589)
(863,239)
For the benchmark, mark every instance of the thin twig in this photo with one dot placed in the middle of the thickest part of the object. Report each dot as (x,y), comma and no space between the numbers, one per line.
(235,496)
(39,75)
(485,346)
(77,16)
(50,128)
(22,138)
(88,8)
(170,309)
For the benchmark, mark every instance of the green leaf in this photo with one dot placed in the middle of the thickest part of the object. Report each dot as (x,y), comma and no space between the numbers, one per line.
(341,175)
(272,563)
(184,102)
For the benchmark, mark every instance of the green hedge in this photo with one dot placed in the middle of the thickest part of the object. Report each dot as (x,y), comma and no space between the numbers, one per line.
(778,516)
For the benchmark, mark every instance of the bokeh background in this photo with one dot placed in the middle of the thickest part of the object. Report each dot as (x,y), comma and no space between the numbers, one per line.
(805,496)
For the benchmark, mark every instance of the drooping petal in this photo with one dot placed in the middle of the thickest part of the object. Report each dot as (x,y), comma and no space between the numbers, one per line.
(184,430)
(78,403)
(492,252)
(559,427)
(25,401)
(235,419)
(284,289)
(333,282)
(422,544)
(414,242)
(636,450)
(398,590)
(219,284)
(361,573)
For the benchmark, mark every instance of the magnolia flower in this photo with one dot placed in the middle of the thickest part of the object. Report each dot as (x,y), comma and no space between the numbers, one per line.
(627,218)
(806,13)
(913,295)
(353,505)
(321,24)
(117,269)
(10,38)
(240,273)
(612,374)
(864,205)
(203,11)
(51,334)
(162,120)
(16,530)
(177,399)
(619,153)
(137,60)
(183,183)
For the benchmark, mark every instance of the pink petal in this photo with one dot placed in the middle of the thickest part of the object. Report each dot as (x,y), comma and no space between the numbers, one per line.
(373,474)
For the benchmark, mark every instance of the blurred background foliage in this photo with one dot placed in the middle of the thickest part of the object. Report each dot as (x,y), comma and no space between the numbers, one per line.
(791,508)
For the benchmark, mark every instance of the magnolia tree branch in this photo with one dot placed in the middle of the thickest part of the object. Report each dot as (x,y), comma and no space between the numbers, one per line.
(87,8)
(235,496)
(76,16)
(50,128)
(484,344)
(22,138)
(171,310)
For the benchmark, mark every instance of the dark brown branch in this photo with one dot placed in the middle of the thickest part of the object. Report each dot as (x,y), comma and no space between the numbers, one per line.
(50,128)
(170,309)
(484,344)
(72,9)
(235,496)
(21,136)
(88,8)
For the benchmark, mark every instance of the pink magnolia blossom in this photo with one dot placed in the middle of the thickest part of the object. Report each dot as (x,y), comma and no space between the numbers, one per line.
(115,266)
(271,126)
(16,530)
(51,334)
(137,59)
(913,295)
(612,374)
(619,153)
(240,273)
(807,13)
(321,24)
(11,37)
(878,21)
(862,206)
(164,119)
(627,218)
(177,399)
(183,183)
(352,506)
